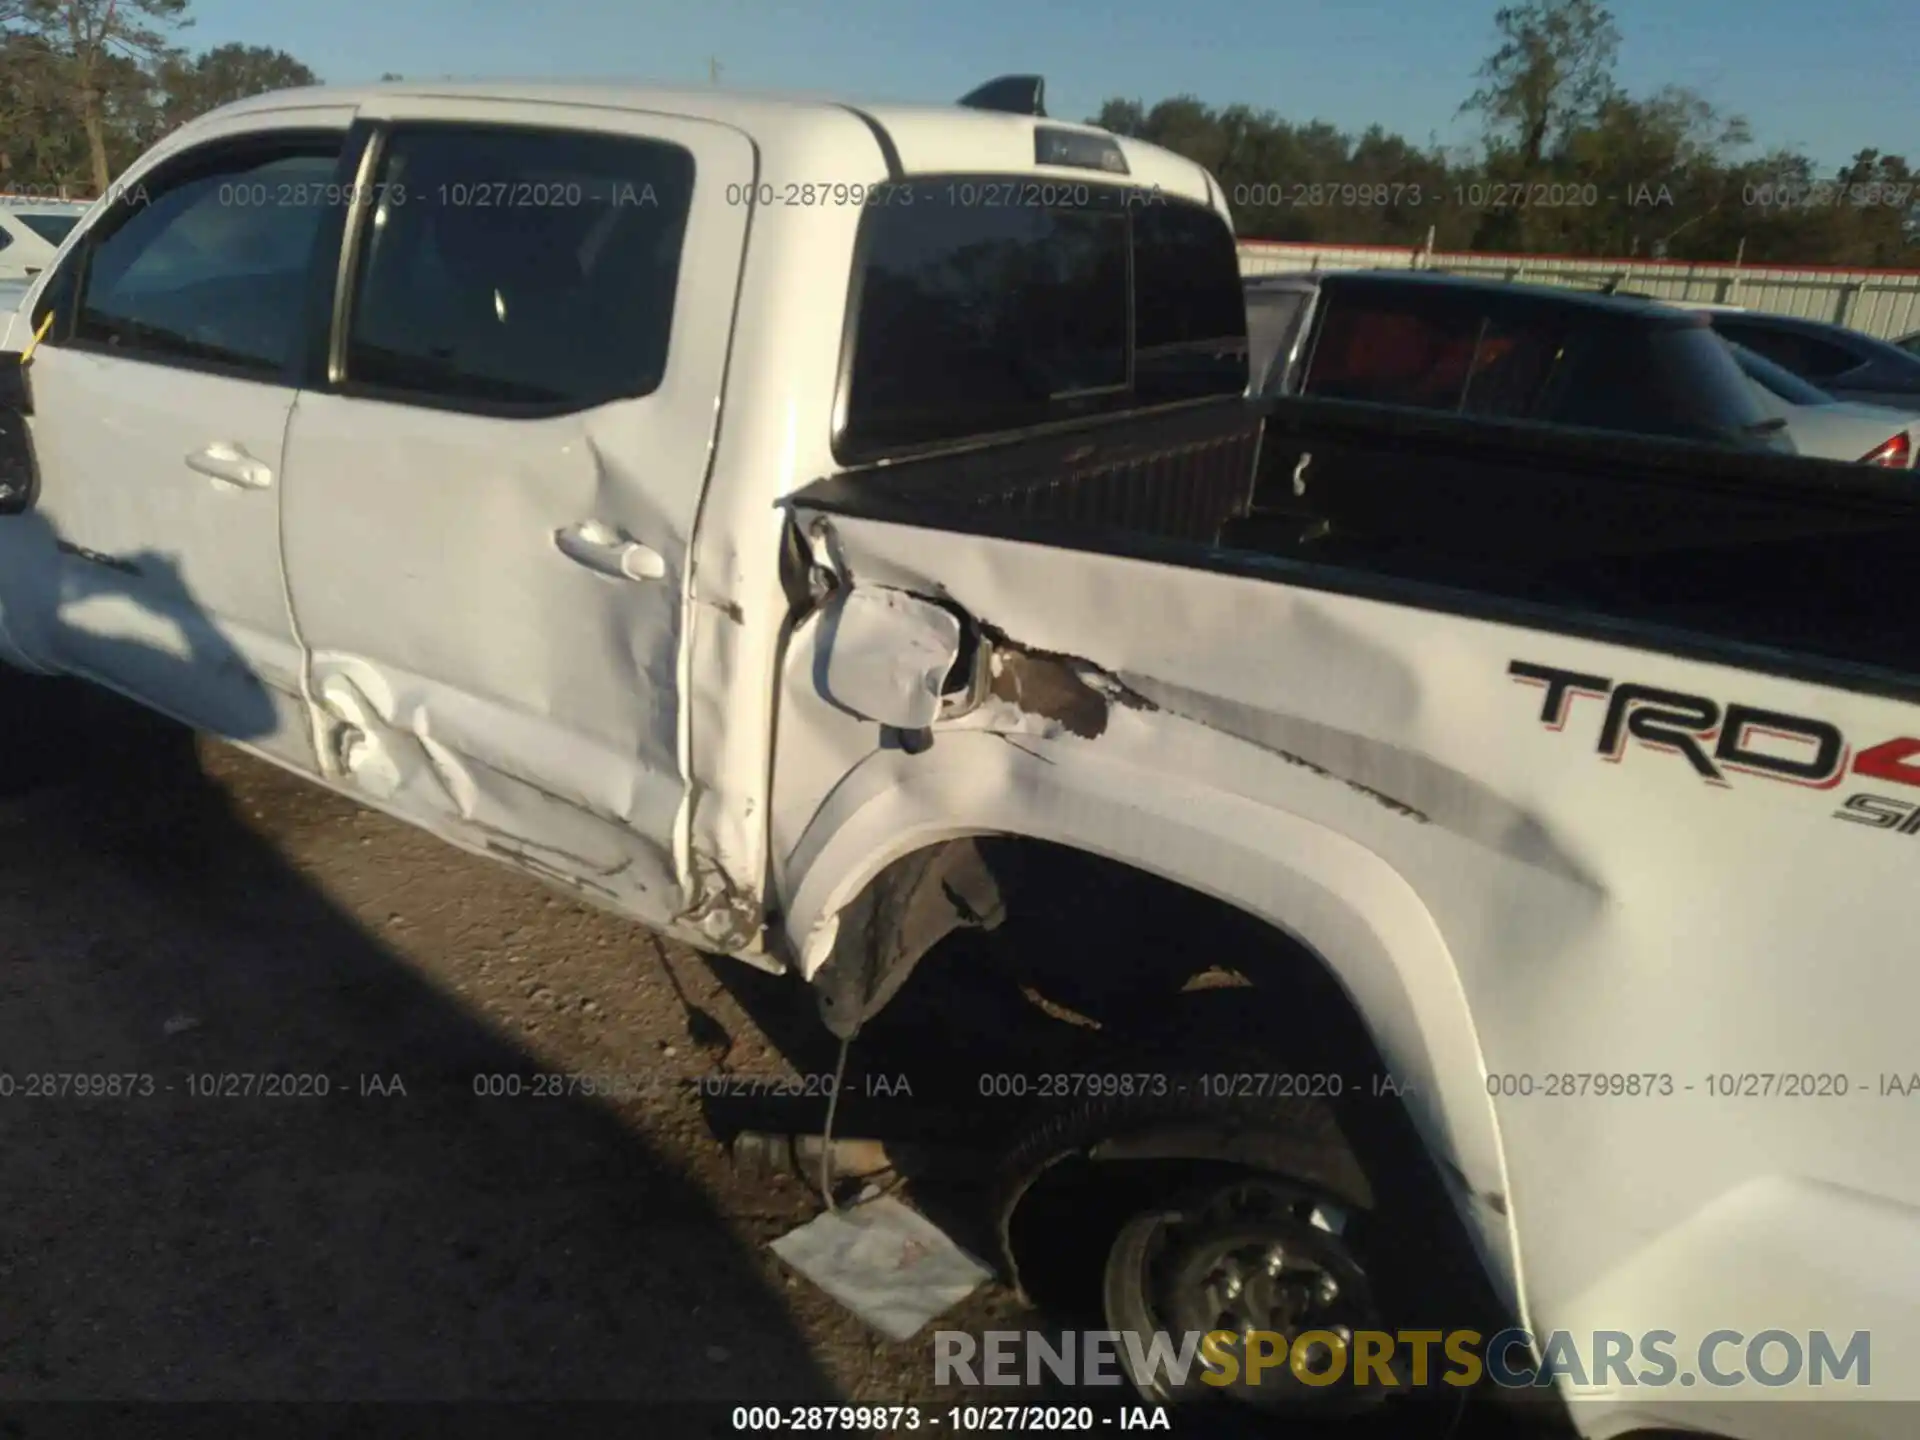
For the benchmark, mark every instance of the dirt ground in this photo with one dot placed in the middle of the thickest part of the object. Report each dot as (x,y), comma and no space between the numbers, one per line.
(190,912)
(402,1236)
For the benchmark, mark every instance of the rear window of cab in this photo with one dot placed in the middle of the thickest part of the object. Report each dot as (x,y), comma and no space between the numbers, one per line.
(978,312)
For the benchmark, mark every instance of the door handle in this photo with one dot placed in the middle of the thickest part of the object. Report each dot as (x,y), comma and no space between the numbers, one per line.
(600,547)
(230,465)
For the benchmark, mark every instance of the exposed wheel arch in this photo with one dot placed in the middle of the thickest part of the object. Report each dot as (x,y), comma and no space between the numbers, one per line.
(1236,998)
(1313,906)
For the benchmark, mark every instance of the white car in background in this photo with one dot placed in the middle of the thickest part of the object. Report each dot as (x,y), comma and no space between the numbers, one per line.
(13,294)
(30,233)
(1831,429)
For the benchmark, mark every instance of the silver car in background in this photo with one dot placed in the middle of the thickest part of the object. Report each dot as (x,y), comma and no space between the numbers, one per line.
(1830,429)
(12,294)
(1845,363)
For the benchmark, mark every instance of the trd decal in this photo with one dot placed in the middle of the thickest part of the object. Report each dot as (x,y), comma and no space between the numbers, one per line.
(1718,740)
(1663,720)
(1891,761)
(1713,738)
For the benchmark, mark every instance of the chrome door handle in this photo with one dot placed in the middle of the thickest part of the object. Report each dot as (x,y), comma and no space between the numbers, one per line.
(600,547)
(230,465)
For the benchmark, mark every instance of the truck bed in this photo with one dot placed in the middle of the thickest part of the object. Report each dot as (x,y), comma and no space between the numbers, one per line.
(1740,555)
(1177,475)
(1761,550)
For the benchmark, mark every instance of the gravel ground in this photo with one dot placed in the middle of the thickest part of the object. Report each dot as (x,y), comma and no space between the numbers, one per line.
(189,912)
(401,1237)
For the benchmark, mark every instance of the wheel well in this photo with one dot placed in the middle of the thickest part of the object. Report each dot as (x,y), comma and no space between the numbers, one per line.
(1022,957)
(1098,939)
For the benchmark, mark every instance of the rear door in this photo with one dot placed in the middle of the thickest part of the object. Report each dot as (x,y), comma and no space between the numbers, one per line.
(492,491)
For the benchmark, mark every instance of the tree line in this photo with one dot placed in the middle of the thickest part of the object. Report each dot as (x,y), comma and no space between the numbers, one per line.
(86,85)
(1569,163)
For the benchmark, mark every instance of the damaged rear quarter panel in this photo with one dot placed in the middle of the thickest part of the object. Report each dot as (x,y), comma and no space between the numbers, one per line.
(1189,724)
(1496,896)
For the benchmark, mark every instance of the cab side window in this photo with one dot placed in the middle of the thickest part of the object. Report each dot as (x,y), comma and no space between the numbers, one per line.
(207,264)
(517,270)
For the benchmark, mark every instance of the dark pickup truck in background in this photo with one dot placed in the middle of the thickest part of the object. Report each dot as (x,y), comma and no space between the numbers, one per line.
(1501,351)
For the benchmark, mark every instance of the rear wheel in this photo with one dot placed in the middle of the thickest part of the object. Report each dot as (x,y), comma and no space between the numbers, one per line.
(1253,1258)
(1251,1217)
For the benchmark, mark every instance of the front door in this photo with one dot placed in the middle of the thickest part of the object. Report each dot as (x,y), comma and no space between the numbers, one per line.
(489,503)
(161,402)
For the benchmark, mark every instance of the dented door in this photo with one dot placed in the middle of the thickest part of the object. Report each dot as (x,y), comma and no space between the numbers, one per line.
(488,505)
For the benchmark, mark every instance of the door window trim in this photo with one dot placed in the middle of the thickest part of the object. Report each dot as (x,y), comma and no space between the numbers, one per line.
(324,368)
(62,294)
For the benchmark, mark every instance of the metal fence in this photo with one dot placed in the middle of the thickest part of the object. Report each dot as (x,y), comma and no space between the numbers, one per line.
(1880,302)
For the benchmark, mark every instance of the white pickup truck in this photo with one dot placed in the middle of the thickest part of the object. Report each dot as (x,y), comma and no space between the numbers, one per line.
(809,529)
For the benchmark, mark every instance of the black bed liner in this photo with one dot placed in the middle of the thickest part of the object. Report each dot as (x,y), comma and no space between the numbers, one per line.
(1763,560)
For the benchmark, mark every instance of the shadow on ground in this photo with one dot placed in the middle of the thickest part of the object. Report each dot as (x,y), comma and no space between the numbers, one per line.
(186,1240)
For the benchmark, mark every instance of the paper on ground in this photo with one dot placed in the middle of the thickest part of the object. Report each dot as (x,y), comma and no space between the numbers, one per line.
(887,1263)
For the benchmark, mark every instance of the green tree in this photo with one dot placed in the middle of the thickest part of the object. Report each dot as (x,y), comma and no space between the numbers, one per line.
(1550,75)
(37,139)
(193,86)
(43,142)
(1874,197)
(1644,176)
(1303,182)
(94,53)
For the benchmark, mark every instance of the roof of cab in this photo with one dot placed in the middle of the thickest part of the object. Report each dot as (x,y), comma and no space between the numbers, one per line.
(927,139)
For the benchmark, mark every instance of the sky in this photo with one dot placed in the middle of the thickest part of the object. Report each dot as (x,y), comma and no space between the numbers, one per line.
(1827,79)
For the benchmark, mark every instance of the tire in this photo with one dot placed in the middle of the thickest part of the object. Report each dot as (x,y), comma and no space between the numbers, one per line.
(1132,1307)
(1300,1137)
(1288,1149)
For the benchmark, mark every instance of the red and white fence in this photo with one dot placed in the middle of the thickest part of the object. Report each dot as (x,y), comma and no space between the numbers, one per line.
(1880,302)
